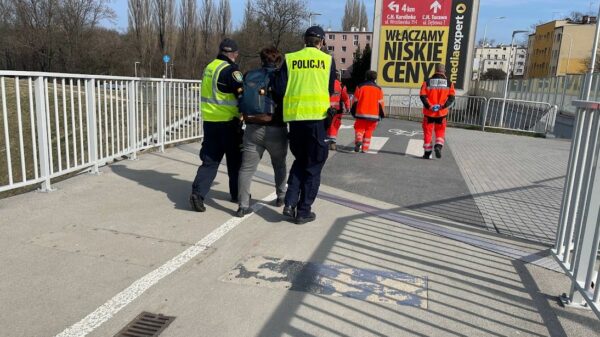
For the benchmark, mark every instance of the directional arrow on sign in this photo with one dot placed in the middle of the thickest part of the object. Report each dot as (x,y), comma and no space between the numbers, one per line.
(394,6)
(436,6)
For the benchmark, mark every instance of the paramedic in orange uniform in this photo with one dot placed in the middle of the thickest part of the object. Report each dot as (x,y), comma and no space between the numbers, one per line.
(437,95)
(341,103)
(368,111)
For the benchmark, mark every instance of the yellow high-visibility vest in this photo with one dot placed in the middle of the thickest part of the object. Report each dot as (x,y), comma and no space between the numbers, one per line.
(216,106)
(307,92)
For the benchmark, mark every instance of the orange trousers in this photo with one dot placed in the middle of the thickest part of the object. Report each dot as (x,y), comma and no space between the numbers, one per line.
(333,130)
(431,124)
(364,131)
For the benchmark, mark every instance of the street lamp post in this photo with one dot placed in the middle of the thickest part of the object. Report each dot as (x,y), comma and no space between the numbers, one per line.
(135,68)
(310,15)
(512,42)
(483,44)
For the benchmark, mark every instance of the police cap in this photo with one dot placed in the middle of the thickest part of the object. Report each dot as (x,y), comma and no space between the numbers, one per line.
(315,31)
(228,46)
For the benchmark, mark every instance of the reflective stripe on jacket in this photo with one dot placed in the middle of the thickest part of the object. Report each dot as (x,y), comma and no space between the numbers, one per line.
(215,105)
(369,101)
(437,90)
(307,92)
(340,95)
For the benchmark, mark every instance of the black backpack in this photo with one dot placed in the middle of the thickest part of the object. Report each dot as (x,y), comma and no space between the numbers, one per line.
(256,103)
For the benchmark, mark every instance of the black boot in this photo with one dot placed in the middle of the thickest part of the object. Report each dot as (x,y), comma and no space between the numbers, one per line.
(197,203)
(427,155)
(438,150)
(357,147)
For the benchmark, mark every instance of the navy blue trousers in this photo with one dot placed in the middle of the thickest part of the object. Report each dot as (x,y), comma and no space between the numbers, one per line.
(307,144)
(220,139)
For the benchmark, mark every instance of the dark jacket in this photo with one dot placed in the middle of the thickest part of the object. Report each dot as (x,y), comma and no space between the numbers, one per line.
(230,78)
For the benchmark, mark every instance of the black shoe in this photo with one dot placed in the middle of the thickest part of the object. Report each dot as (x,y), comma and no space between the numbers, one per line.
(243,211)
(234,200)
(289,211)
(427,155)
(279,202)
(197,203)
(438,150)
(357,147)
(301,220)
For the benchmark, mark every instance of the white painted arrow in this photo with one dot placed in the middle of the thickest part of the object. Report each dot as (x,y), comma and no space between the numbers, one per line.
(436,6)
(394,6)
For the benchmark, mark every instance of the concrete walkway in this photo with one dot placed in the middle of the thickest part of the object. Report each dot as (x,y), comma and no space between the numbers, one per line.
(124,242)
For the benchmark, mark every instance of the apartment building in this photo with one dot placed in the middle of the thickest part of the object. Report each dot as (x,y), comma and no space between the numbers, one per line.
(560,47)
(497,57)
(343,44)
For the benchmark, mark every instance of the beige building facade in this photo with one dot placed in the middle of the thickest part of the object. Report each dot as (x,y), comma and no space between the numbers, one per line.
(560,47)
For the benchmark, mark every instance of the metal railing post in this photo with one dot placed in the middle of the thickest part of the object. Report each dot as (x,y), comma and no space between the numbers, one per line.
(131,119)
(90,94)
(485,113)
(161,115)
(43,145)
(409,103)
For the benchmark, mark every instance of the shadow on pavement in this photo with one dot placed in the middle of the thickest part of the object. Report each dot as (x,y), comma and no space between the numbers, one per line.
(177,190)
(471,292)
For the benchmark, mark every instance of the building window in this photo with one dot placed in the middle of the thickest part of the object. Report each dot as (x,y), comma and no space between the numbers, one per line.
(520,63)
(504,57)
(355,37)
(495,63)
(332,36)
(343,60)
(330,48)
(344,48)
(344,37)
(368,37)
(355,43)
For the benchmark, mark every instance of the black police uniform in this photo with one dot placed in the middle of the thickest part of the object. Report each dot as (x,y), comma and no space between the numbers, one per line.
(307,144)
(220,139)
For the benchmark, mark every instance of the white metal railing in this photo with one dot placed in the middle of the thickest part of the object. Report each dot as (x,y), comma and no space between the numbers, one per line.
(578,234)
(478,111)
(511,114)
(54,124)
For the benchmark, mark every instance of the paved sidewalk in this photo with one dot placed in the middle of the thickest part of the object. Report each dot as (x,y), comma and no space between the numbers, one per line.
(395,256)
(516,182)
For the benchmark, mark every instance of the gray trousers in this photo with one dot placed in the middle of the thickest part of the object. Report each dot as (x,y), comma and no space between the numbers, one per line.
(257,139)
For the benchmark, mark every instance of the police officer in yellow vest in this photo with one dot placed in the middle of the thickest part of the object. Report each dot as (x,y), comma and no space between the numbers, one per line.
(306,81)
(221,124)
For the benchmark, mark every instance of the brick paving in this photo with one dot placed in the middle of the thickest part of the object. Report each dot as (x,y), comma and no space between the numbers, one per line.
(516,181)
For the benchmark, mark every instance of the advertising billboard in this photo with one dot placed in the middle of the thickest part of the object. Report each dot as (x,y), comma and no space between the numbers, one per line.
(414,35)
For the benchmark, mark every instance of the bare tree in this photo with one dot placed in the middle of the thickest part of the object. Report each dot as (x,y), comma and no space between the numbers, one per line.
(164,20)
(76,20)
(187,48)
(141,29)
(207,29)
(223,19)
(363,19)
(355,15)
(35,30)
(280,19)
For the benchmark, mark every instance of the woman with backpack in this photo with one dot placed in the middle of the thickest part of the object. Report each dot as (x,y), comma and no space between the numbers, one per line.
(262,110)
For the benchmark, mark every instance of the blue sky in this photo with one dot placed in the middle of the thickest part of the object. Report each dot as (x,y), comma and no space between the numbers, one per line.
(520,14)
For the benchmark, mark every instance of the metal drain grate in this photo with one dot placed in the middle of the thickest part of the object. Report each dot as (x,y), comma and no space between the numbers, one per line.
(146,325)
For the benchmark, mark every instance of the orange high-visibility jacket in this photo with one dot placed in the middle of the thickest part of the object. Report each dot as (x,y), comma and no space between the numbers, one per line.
(437,90)
(340,94)
(368,100)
